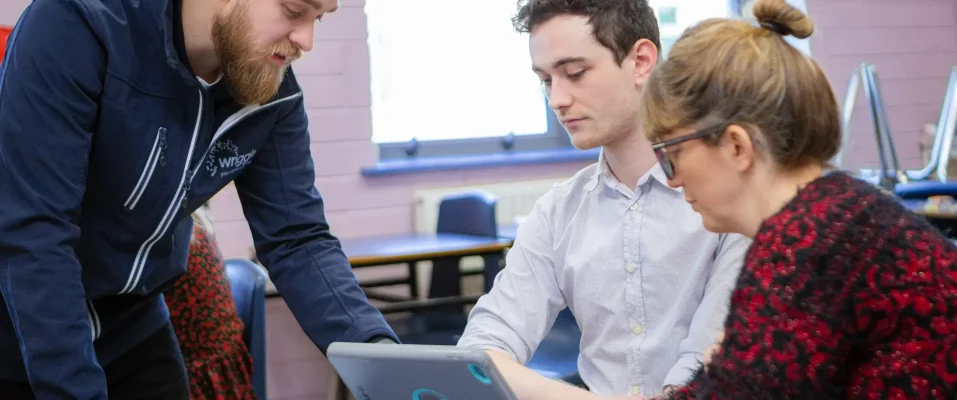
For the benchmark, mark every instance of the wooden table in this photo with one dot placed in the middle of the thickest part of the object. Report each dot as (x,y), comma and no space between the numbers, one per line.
(444,250)
(395,249)
(943,219)
(410,249)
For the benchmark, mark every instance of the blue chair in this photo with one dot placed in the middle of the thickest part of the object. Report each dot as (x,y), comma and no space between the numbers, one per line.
(248,283)
(557,354)
(473,213)
(467,213)
(924,189)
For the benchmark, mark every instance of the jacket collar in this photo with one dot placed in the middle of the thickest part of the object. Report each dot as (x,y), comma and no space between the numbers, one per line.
(171,23)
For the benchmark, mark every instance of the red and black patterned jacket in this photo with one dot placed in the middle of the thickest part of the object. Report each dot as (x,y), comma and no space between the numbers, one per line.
(844,294)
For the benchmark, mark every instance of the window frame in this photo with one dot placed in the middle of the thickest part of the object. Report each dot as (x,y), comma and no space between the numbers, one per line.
(555,138)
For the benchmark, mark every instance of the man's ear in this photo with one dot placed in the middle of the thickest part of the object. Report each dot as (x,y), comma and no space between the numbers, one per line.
(739,148)
(644,56)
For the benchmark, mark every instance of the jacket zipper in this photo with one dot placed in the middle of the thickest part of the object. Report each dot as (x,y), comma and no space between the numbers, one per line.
(180,199)
(156,157)
(137,271)
(228,124)
(94,320)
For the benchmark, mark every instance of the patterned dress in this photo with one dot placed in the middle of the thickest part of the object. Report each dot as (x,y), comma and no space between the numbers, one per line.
(843,295)
(207,326)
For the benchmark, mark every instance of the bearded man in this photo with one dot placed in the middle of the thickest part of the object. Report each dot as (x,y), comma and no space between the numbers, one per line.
(118,118)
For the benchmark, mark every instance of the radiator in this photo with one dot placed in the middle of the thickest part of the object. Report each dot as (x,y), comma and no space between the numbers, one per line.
(514,200)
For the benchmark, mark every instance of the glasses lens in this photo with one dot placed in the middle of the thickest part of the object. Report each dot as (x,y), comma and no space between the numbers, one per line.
(665,163)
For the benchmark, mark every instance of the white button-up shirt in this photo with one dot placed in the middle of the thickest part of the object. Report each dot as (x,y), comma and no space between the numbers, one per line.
(648,285)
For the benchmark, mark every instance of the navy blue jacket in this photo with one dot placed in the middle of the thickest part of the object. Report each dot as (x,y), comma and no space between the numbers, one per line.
(107,143)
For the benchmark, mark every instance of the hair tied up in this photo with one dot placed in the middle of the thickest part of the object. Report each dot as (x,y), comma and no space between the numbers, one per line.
(782,18)
(776,27)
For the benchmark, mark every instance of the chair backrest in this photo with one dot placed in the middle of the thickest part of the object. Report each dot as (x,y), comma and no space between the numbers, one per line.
(468,213)
(248,284)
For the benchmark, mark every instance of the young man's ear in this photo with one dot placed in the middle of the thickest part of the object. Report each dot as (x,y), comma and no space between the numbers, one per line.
(644,56)
(739,147)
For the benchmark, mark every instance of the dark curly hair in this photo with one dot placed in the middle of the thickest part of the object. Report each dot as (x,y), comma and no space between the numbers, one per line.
(616,24)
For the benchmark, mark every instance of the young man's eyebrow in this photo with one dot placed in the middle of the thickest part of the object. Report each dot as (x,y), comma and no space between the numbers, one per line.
(562,62)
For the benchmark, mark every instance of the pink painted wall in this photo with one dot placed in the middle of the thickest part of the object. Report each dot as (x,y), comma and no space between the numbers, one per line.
(913,45)
(10,10)
(335,78)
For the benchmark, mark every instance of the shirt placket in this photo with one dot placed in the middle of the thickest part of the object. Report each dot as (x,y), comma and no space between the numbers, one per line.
(633,293)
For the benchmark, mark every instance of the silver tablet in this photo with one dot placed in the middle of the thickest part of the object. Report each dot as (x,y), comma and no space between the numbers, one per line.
(375,371)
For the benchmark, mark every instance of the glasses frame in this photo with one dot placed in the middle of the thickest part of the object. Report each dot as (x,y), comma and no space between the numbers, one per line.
(661,148)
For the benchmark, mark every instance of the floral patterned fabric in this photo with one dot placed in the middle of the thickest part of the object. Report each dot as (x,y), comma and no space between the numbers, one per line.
(207,326)
(843,295)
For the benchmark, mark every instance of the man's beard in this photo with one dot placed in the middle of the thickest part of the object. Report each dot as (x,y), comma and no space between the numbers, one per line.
(251,77)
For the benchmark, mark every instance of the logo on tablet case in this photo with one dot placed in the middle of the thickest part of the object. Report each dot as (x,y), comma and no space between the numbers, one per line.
(362,393)
(480,374)
(427,394)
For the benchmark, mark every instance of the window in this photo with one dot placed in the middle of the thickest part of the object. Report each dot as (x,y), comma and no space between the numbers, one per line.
(452,77)
(674,16)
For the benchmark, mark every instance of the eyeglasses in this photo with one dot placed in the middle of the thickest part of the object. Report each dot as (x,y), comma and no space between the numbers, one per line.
(661,151)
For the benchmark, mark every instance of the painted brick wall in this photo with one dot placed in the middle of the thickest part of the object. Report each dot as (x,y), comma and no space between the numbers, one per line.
(912,43)
(10,10)
(335,78)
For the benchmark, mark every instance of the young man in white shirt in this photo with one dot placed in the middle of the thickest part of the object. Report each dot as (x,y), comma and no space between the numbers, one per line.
(647,283)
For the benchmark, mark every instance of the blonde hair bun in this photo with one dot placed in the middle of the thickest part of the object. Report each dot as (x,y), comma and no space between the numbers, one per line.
(781,17)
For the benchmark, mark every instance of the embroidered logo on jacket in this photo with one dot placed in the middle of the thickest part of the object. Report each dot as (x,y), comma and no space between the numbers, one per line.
(225,159)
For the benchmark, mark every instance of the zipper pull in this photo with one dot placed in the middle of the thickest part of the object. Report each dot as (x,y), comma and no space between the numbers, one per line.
(162,151)
(184,202)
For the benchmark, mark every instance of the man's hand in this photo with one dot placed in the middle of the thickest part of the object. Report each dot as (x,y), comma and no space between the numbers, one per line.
(529,385)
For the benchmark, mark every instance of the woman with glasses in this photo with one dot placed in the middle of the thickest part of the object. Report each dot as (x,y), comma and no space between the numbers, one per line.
(844,293)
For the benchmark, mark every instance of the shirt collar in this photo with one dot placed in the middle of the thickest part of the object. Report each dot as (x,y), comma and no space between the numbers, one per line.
(603,174)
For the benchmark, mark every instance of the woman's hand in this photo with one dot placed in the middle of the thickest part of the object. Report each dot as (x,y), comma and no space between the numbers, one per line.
(713,350)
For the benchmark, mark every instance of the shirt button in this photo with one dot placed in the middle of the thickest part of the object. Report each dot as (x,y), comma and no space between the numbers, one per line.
(637,328)
(633,207)
(635,390)
(630,267)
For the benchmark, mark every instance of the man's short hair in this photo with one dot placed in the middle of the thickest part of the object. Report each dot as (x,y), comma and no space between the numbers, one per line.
(616,24)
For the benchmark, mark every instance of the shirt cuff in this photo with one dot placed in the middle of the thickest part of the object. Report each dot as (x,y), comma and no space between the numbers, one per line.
(683,371)
(382,339)
(484,345)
